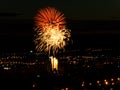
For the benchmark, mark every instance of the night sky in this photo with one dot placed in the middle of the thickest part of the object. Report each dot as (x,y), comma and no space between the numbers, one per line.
(16,21)
(75,9)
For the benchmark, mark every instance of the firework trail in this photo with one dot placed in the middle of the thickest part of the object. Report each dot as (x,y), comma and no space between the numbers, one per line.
(54,62)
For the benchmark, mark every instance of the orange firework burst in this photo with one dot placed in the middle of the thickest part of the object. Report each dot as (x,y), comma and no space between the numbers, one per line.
(50,16)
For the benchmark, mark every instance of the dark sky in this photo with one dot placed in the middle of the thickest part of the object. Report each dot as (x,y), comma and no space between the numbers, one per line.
(75,9)
(20,34)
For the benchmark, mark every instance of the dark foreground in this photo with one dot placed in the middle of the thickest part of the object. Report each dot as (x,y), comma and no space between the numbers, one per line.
(74,77)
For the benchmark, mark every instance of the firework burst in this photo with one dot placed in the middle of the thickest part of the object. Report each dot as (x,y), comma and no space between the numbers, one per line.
(51,33)
(48,16)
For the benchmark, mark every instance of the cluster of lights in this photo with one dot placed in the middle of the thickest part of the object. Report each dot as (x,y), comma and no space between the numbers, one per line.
(13,57)
(98,82)
(64,88)
(103,82)
(7,64)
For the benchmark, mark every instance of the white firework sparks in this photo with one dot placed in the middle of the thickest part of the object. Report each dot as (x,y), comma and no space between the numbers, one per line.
(52,39)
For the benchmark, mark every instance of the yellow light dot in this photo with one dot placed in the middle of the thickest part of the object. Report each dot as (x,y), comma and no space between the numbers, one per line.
(66,88)
(113,83)
(90,84)
(99,84)
(118,78)
(33,85)
(106,82)
(112,79)
(98,81)
(83,84)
